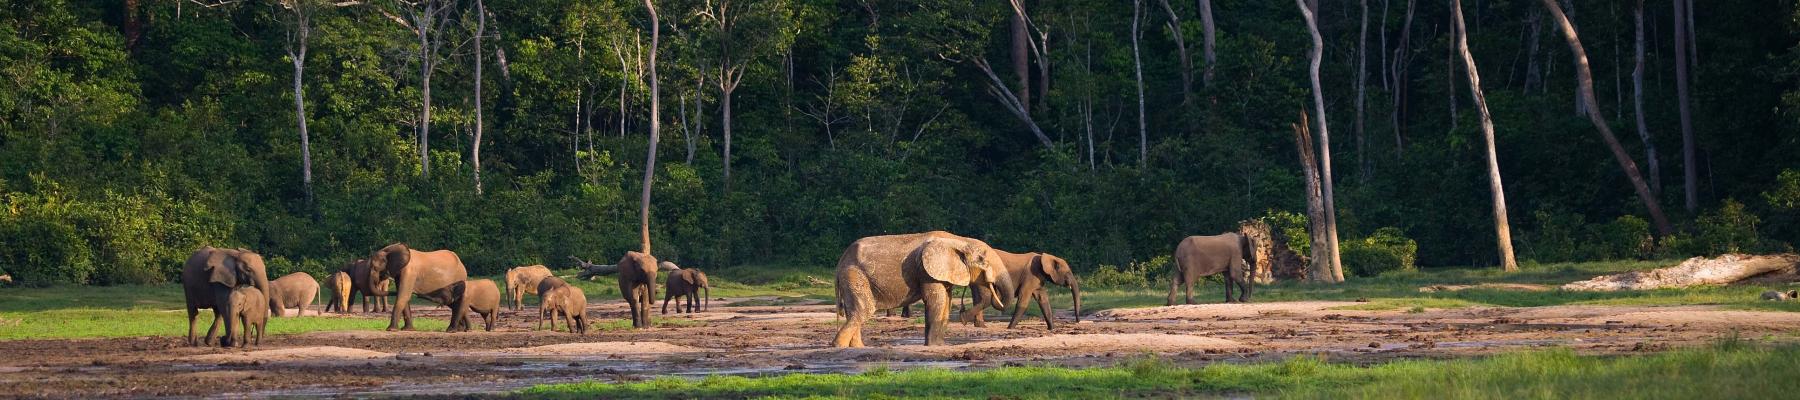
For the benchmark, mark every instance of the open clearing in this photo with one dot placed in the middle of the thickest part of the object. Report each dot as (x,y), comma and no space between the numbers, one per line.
(767,340)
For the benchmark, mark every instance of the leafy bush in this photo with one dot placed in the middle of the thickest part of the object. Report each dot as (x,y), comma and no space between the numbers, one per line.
(1563,237)
(1292,226)
(1134,275)
(1388,249)
(40,252)
(1729,229)
(1627,237)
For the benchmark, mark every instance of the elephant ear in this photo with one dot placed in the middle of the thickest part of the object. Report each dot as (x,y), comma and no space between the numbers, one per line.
(221,269)
(1047,264)
(688,276)
(397,255)
(942,260)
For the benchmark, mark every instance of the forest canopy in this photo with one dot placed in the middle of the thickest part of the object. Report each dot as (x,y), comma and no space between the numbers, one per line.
(316,131)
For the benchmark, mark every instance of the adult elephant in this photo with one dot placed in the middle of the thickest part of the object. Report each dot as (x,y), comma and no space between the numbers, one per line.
(523,280)
(637,282)
(1198,257)
(207,279)
(428,274)
(1024,280)
(373,292)
(295,290)
(882,272)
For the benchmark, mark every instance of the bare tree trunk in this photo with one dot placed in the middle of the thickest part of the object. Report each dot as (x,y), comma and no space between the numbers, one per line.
(1690,171)
(1320,268)
(725,110)
(480,30)
(1020,54)
(1012,103)
(1318,92)
(1181,50)
(1450,77)
(1137,63)
(1637,99)
(1362,75)
(1207,33)
(300,34)
(1502,230)
(1612,142)
(655,130)
(1384,45)
(1533,74)
(1399,74)
(1581,104)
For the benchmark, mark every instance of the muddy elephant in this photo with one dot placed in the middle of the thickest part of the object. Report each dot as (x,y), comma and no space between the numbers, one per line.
(427,274)
(373,293)
(524,280)
(569,303)
(295,290)
(637,283)
(480,296)
(1023,280)
(251,309)
(544,288)
(1198,257)
(686,283)
(207,280)
(337,292)
(881,272)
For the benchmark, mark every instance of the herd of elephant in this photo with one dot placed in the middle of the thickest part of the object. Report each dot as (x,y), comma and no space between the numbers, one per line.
(874,273)
(233,283)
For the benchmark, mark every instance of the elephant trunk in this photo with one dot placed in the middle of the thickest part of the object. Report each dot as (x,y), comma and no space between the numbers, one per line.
(1075,289)
(223,309)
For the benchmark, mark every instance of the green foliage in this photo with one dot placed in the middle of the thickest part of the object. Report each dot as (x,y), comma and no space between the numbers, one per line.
(1134,275)
(1563,237)
(1387,250)
(1293,227)
(1731,228)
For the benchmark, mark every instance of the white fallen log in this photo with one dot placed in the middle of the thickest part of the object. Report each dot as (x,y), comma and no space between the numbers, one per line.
(1693,272)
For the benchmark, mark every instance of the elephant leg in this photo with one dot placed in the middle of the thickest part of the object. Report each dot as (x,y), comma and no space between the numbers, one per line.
(193,314)
(1188,289)
(1228,284)
(1043,301)
(1244,286)
(973,314)
(693,302)
(856,307)
(1026,291)
(665,307)
(937,312)
(632,300)
(906,311)
(210,331)
(1174,282)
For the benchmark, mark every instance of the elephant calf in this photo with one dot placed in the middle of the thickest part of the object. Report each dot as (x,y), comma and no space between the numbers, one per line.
(250,308)
(570,304)
(337,286)
(480,296)
(544,288)
(685,284)
(295,290)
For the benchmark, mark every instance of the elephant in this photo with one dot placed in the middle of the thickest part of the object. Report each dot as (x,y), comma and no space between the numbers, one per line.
(1776,295)
(251,308)
(295,290)
(480,296)
(522,280)
(1197,257)
(428,274)
(207,279)
(590,270)
(637,282)
(338,287)
(1022,280)
(544,288)
(571,304)
(361,286)
(882,272)
(686,283)
(7,278)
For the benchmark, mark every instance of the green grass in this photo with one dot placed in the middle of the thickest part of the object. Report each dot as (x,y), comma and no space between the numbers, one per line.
(99,323)
(1733,370)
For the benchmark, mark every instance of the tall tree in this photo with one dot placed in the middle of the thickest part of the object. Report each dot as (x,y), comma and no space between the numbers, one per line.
(1137,64)
(1502,229)
(744,32)
(1637,101)
(1318,94)
(1021,56)
(1181,50)
(1320,269)
(1586,80)
(655,130)
(427,20)
(299,33)
(1689,168)
(475,150)
(1207,33)
(1401,52)
(1362,75)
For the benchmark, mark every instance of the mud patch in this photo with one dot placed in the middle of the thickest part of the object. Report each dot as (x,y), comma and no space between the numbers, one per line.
(314,353)
(1217,311)
(1094,344)
(602,349)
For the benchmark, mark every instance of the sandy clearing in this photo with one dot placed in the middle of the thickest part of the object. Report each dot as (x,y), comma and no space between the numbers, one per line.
(313,353)
(1214,311)
(1092,344)
(601,348)
(1718,319)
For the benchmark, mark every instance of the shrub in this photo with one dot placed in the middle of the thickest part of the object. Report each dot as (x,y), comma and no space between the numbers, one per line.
(1134,275)
(1387,250)
(1627,237)
(1729,229)
(1292,226)
(41,252)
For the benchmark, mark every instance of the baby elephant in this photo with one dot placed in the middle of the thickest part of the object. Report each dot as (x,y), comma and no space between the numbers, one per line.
(480,296)
(338,287)
(571,304)
(685,284)
(251,309)
(1777,295)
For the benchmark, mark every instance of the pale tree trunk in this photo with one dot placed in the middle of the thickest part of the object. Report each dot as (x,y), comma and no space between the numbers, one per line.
(300,33)
(1384,45)
(1021,58)
(1207,34)
(1137,64)
(1399,79)
(726,90)
(1018,107)
(1502,229)
(1533,73)
(1690,171)
(1450,78)
(655,130)
(1362,74)
(1325,188)
(1581,105)
(1586,77)
(1320,268)
(480,30)
(1637,100)
(1181,50)
(426,23)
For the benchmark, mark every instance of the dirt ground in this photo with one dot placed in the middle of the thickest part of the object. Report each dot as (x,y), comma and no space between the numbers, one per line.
(783,339)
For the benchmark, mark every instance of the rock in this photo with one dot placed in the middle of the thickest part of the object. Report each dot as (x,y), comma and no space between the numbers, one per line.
(1693,272)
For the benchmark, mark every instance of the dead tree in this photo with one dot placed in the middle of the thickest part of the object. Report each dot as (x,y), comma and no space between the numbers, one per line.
(475,150)
(1586,79)
(1325,188)
(1502,230)
(1320,269)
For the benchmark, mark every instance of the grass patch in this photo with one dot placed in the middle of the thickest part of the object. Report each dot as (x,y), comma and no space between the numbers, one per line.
(1727,370)
(99,323)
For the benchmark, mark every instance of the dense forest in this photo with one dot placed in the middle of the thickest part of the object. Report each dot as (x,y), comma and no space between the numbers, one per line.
(515,132)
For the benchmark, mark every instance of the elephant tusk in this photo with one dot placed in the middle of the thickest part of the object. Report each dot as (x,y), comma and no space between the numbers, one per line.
(998,304)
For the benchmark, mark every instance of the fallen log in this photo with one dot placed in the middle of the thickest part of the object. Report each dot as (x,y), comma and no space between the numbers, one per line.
(1693,272)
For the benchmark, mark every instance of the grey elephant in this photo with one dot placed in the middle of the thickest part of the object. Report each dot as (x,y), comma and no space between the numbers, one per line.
(295,290)
(882,272)
(637,283)
(686,284)
(480,296)
(524,280)
(207,280)
(1197,257)
(427,274)
(251,309)
(1022,280)
(372,292)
